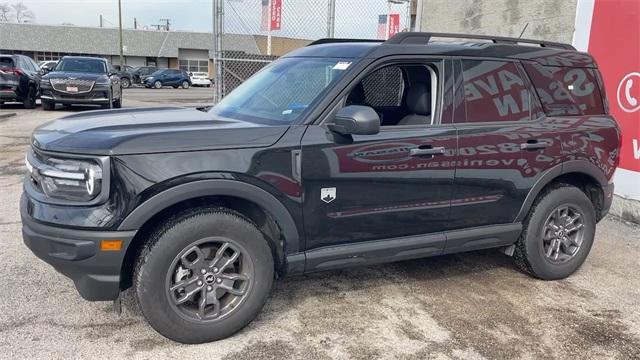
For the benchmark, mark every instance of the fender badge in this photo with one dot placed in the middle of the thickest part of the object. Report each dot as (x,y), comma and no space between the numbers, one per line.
(328,194)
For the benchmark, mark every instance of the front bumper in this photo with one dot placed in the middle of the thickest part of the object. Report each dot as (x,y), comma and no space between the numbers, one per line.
(98,95)
(76,254)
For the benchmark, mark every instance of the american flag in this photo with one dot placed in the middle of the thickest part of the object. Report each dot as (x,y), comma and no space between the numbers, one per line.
(266,18)
(382,27)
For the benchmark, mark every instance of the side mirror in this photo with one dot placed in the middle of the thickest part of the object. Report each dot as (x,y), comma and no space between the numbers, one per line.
(356,120)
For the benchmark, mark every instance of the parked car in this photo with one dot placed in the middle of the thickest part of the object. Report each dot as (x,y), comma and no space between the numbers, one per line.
(200,79)
(141,72)
(81,80)
(168,77)
(126,75)
(19,80)
(48,64)
(342,153)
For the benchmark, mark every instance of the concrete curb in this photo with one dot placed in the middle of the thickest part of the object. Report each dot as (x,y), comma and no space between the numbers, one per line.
(625,208)
(7,115)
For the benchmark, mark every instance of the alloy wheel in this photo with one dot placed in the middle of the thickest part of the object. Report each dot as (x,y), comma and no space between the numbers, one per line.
(209,279)
(563,234)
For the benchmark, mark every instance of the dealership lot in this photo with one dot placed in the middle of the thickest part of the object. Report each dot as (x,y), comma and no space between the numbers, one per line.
(474,305)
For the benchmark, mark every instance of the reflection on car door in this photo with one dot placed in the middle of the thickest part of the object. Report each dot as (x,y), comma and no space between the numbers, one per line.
(494,174)
(376,187)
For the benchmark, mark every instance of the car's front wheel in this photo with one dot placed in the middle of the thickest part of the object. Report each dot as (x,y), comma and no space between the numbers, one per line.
(204,275)
(157,84)
(558,233)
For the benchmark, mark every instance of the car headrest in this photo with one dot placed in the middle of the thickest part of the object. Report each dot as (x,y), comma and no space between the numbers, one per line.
(419,100)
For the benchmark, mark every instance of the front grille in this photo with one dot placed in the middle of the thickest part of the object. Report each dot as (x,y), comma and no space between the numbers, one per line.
(71,85)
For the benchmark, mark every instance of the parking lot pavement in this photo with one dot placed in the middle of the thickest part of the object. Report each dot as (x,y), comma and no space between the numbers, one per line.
(474,305)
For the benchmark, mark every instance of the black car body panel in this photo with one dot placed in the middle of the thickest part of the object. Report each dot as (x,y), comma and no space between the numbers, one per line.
(151,130)
(386,200)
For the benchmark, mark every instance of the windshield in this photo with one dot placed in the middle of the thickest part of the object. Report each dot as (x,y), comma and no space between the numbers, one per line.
(279,93)
(82,65)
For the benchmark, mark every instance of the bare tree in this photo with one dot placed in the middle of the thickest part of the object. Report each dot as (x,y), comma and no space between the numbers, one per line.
(5,9)
(22,12)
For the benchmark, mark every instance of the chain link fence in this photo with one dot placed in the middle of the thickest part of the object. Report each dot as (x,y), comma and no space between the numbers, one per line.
(256,32)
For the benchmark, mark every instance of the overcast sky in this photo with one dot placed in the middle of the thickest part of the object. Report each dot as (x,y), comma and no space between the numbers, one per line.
(300,18)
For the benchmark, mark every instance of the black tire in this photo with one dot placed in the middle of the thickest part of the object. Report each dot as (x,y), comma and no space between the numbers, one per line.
(530,254)
(185,84)
(157,84)
(126,83)
(48,106)
(117,104)
(30,100)
(175,86)
(109,104)
(155,268)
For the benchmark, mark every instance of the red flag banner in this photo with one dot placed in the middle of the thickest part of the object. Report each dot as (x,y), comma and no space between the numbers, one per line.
(394,24)
(276,14)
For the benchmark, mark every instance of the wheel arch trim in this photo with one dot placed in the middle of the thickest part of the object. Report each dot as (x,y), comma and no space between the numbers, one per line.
(571,166)
(220,187)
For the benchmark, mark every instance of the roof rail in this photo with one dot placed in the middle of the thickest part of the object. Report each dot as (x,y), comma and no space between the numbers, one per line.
(335,40)
(424,37)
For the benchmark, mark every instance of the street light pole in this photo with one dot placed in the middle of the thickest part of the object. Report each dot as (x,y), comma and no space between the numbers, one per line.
(331,18)
(218,28)
(120,25)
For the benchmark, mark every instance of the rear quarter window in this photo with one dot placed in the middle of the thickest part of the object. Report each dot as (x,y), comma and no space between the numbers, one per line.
(566,91)
(6,62)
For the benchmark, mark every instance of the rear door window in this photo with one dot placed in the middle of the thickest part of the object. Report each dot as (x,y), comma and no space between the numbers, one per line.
(566,91)
(494,91)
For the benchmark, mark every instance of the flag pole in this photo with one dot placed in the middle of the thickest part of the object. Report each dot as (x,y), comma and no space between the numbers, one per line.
(269,27)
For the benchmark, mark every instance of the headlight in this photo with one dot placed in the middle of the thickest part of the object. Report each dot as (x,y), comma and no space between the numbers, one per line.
(77,180)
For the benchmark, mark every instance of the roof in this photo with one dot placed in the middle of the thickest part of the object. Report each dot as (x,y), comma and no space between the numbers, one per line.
(105,41)
(546,53)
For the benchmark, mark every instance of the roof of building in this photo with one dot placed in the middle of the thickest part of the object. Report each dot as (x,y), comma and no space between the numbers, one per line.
(105,41)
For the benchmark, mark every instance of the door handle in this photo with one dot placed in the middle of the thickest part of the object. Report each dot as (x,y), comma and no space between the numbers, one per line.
(535,145)
(430,151)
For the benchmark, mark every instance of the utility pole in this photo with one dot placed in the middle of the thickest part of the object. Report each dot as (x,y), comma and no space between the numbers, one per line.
(101,22)
(331,18)
(269,34)
(167,22)
(218,29)
(135,23)
(120,25)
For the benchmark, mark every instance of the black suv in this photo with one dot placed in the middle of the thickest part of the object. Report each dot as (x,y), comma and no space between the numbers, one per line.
(81,80)
(338,154)
(19,80)
(126,75)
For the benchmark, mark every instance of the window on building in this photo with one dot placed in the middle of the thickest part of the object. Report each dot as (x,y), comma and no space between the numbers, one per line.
(194,65)
(494,91)
(566,91)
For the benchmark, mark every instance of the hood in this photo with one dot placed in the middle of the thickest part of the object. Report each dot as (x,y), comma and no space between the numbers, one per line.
(75,75)
(150,130)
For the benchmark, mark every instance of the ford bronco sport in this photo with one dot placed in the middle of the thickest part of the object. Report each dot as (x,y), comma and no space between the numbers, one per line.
(341,153)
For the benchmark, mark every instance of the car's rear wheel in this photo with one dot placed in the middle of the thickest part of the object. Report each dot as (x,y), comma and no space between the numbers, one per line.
(126,83)
(185,84)
(157,84)
(558,233)
(204,275)
(48,105)
(30,100)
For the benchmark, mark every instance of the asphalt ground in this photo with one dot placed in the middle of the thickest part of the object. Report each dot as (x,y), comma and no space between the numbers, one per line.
(466,306)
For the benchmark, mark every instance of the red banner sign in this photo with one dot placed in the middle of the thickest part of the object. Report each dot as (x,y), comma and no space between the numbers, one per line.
(276,14)
(394,24)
